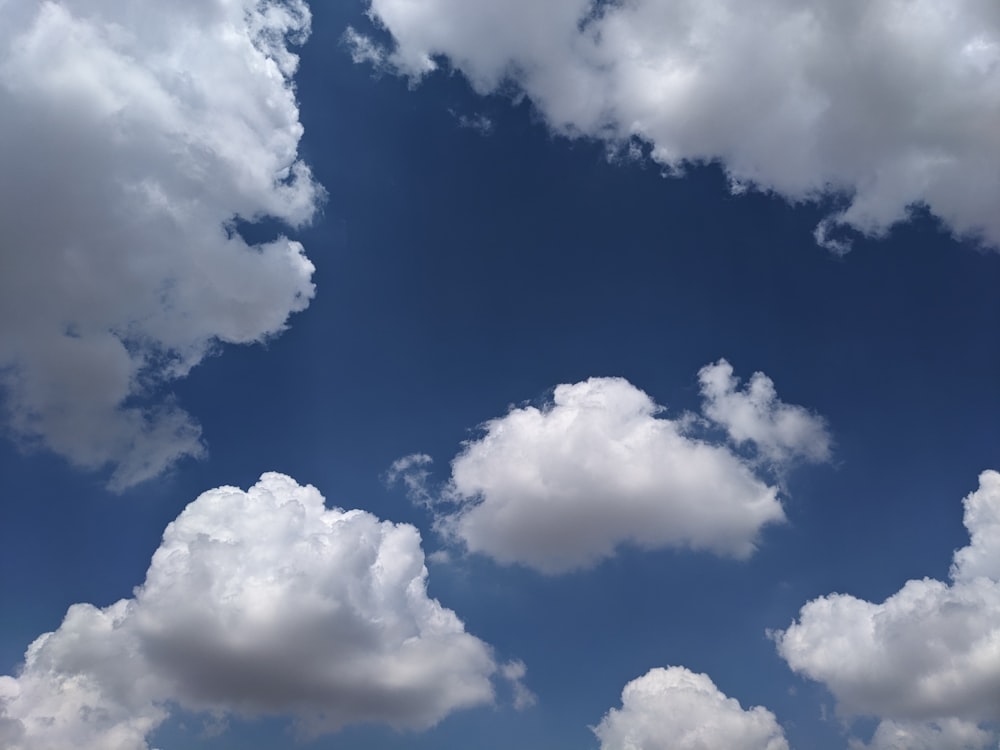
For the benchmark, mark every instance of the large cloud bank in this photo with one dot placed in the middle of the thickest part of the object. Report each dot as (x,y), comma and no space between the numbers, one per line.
(755,416)
(887,103)
(560,487)
(133,134)
(926,659)
(258,602)
(678,709)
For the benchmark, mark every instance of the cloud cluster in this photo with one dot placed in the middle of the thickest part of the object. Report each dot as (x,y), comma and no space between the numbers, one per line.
(134,135)
(560,487)
(883,103)
(256,603)
(926,658)
(681,710)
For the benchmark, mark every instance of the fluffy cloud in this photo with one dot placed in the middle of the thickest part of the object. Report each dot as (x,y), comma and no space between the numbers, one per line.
(560,487)
(134,134)
(83,686)
(888,104)
(257,602)
(681,710)
(928,653)
(780,432)
(981,558)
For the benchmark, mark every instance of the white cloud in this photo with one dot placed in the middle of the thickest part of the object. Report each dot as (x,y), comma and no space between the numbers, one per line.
(780,432)
(890,103)
(559,488)
(262,602)
(132,136)
(364,50)
(949,734)
(84,686)
(679,709)
(928,653)
(981,558)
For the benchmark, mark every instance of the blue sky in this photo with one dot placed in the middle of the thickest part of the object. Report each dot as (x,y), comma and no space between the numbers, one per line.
(543,257)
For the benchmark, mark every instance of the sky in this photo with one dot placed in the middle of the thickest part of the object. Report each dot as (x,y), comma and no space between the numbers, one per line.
(449,373)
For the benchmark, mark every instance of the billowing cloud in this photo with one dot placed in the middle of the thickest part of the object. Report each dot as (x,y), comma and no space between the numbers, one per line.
(679,709)
(262,602)
(780,432)
(133,138)
(560,487)
(928,653)
(885,104)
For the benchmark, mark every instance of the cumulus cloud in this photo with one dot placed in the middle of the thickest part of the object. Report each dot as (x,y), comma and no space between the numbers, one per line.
(679,709)
(882,104)
(981,558)
(133,139)
(780,432)
(262,602)
(560,487)
(928,653)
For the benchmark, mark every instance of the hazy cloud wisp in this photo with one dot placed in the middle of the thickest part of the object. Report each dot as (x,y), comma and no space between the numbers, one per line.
(679,709)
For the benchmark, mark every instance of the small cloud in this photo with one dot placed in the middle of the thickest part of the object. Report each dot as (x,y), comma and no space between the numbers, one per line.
(924,660)
(683,710)
(514,672)
(440,557)
(779,432)
(478,122)
(364,49)
(560,487)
